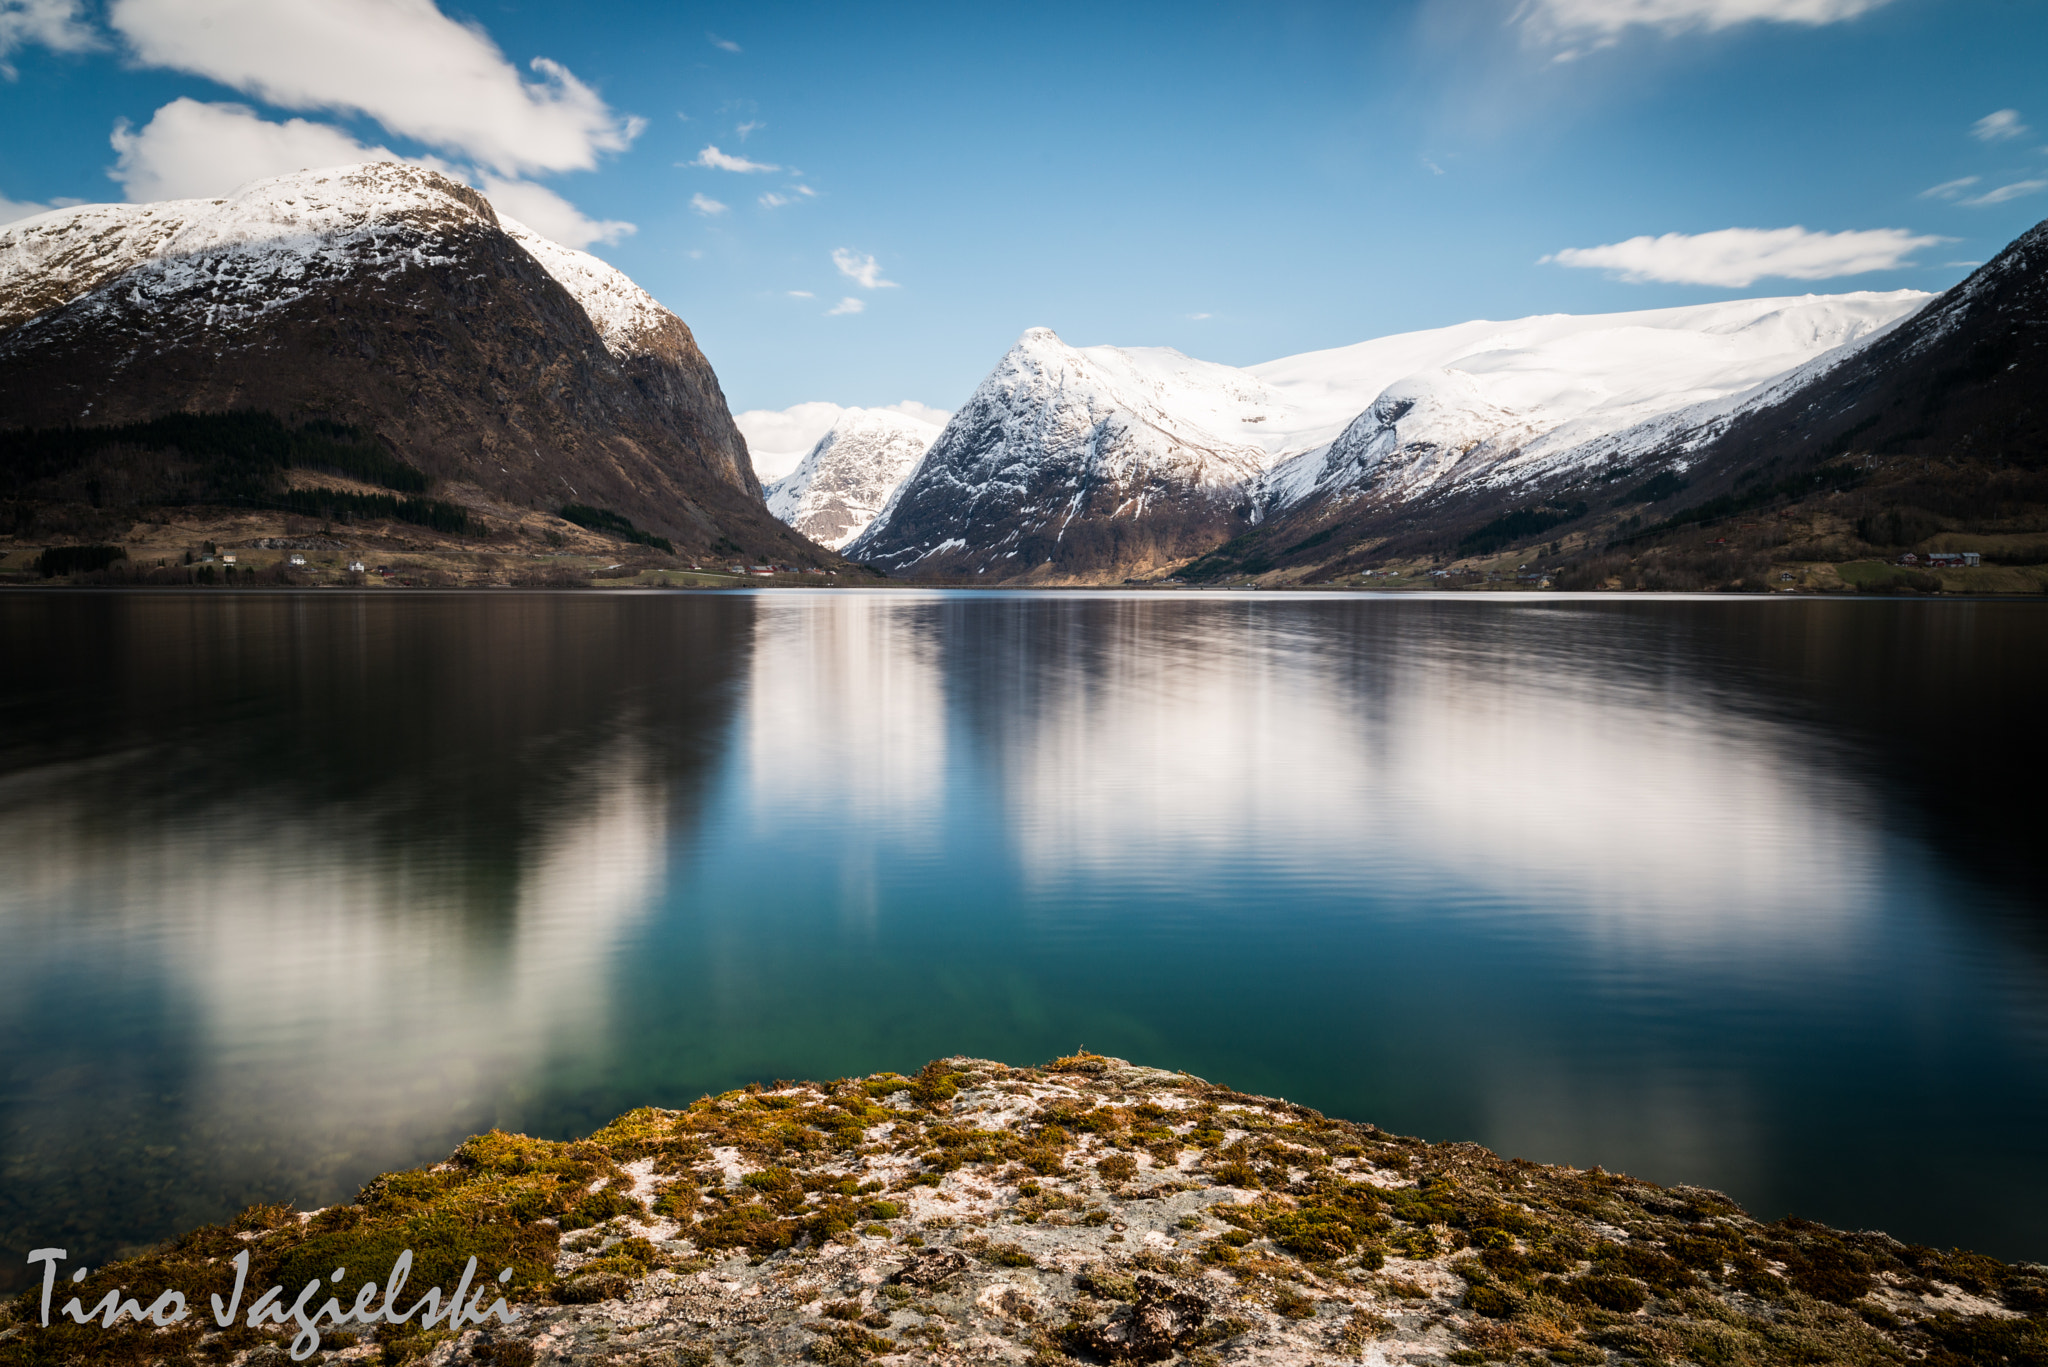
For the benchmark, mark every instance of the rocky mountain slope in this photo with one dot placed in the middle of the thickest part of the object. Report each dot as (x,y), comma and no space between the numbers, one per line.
(1087,1211)
(1925,426)
(1963,376)
(1513,403)
(388,298)
(1096,462)
(846,479)
(1073,463)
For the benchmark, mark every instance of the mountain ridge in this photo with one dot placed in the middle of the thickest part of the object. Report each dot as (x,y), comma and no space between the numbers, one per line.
(516,373)
(845,481)
(1052,469)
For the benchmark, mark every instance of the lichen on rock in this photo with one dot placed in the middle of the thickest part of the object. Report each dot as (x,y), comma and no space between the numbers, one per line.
(1089,1210)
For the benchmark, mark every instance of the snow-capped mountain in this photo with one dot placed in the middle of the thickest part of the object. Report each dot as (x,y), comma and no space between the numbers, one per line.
(1091,460)
(393,298)
(844,480)
(1961,376)
(1069,457)
(1517,402)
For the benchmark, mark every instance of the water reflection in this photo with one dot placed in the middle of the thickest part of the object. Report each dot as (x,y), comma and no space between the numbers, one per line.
(372,873)
(1399,753)
(302,888)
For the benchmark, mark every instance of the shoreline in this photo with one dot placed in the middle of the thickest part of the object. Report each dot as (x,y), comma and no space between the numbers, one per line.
(1089,1210)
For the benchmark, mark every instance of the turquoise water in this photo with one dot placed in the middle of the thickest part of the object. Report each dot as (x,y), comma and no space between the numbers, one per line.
(301,888)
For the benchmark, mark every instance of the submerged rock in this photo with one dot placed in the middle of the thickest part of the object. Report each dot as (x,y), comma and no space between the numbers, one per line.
(1089,1211)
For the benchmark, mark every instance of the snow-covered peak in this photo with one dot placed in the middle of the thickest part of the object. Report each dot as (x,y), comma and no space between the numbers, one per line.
(845,480)
(279,227)
(1183,403)
(1514,400)
(51,258)
(624,314)
(1617,368)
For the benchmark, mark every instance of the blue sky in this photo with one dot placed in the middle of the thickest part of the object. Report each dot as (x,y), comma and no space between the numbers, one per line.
(1238,181)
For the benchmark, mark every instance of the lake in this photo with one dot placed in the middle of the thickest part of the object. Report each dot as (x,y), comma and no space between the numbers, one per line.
(1745,893)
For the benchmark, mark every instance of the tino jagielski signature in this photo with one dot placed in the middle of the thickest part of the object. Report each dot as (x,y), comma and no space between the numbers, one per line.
(465,1307)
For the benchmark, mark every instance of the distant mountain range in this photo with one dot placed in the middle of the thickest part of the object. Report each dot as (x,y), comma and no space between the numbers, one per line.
(1099,462)
(418,355)
(511,373)
(843,483)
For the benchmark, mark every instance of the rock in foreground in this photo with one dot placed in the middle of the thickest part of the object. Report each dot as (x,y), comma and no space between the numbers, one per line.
(1086,1211)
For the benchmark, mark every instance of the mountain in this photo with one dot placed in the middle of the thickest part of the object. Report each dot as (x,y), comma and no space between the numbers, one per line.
(1099,462)
(1963,377)
(515,373)
(1507,403)
(1074,463)
(844,481)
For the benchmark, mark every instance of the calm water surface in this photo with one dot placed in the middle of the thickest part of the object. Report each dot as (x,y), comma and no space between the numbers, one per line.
(296,889)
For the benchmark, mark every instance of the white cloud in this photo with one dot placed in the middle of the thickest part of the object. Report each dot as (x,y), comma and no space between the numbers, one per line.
(55,24)
(752,126)
(847,305)
(1738,257)
(401,62)
(1999,126)
(715,160)
(2005,192)
(1949,189)
(723,44)
(190,150)
(1198,317)
(800,294)
(863,270)
(1600,23)
(1972,265)
(548,214)
(771,200)
(706,205)
(779,437)
(12,210)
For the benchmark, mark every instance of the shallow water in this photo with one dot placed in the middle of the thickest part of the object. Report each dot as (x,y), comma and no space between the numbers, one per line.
(302,888)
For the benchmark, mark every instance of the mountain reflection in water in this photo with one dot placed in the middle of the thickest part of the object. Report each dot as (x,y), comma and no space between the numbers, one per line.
(303,888)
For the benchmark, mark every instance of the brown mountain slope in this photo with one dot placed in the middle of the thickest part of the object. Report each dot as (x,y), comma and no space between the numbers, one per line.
(511,370)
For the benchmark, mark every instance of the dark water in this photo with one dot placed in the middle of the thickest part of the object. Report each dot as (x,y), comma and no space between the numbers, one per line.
(297,889)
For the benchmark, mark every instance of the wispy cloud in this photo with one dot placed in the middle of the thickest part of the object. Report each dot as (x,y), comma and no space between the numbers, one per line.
(55,24)
(12,209)
(1198,317)
(1950,189)
(801,294)
(548,214)
(1998,126)
(847,305)
(860,268)
(723,44)
(751,126)
(771,200)
(1432,167)
(2016,190)
(1579,26)
(1738,257)
(706,205)
(713,159)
